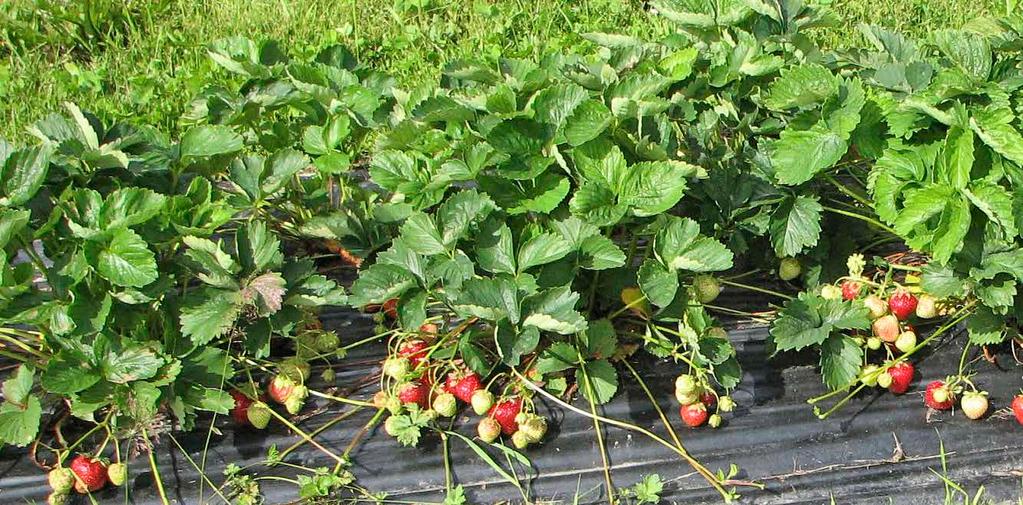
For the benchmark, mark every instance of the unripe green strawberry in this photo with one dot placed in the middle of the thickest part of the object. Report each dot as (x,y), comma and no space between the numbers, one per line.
(295,368)
(521,418)
(830,292)
(884,380)
(327,342)
(534,428)
(876,305)
(867,375)
(874,343)
(714,421)
(686,398)
(906,341)
(396,368)
(926,307)
(726,404)
(56,498)
(707,288)
(789,269)
(391,426)
(481,401)
(634,298)
(296,401)
(61,480)
(117,473)
(520,440)
(859,341)
(328,375)
(488,429)
(259,415)
(445,404)
(394,405)
(380,399)
(685,384)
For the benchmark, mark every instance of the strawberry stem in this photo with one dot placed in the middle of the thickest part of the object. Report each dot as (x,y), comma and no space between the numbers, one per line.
(754,288)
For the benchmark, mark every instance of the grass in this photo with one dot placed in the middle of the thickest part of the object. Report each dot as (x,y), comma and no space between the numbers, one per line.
(144,59)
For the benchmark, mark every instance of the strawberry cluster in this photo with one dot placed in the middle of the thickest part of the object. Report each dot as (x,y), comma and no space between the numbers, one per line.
(696,399)
(414,381)
(84,475)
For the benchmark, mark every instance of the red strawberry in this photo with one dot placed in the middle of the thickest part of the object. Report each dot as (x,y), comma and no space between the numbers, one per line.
(391,308)
(902,304)
(1017,408)
(902,375)
(240,411)
(280,388)
(708,399)
(463,386)
(851,290)
(938,396)
(415,350)
(91,474)
(504,413)
(694,414)
(415,392)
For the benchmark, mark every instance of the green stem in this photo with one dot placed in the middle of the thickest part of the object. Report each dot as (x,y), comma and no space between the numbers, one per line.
(156,471)
(863,218)
(844,189)
(754,288)
(600,434)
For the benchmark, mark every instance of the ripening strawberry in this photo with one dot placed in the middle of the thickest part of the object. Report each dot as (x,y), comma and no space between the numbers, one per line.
(902,303)
(886,328)
(416,351)
(851,290)
(926,307)
(281,388)
(240,411)
(694,414)
(415,392)
(488,429)
(1017,408)
(391,308)
(259,415)
(482,400)
(902,375)
(708,399)
(428,329)
(685,384)
(90,474)
(504,413)
(830,292)
(876,305)
(445,405)
(974,404)
(938,396)
(906,341)
(61,480)
(463,385)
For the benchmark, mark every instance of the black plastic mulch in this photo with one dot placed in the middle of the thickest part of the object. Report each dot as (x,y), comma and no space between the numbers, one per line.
(773,436)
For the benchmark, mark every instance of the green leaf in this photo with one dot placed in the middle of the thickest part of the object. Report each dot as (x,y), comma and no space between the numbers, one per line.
(985,327)
(542,249)
(459,212)
(598,252)
(797,156)
(1007,262)
(379,283)
(958,157)
(841,359)
(966,50)
(557,357)
(489,299)
(995,202)
(600,339)
(680,247)
(555,104)
(131,364)
(554,310)
(801,86)
(420,234)
(19,425)
(17,388)
(211,317)
(68,374)
(810,319)
(541,195)
(127,261)
(218,267)
(512,344)
(11,223)
(796,225)
(657,282)
(210,140)
(652,188)
(941,281)
(390,169)
(23,173)
(494,248)
(992,128)
(442,109)
(127,207)
(259,249)
(603,381)
(587,122)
